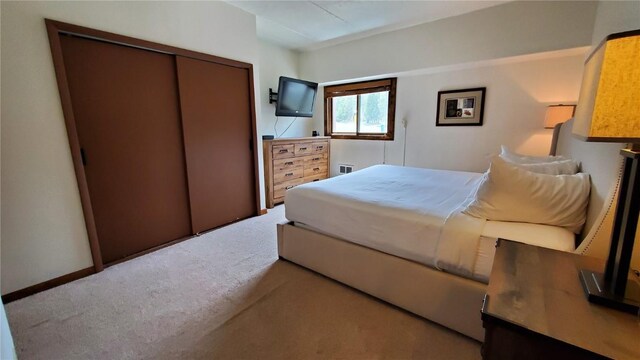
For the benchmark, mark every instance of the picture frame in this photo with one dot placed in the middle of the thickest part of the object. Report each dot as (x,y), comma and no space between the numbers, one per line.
(464,107)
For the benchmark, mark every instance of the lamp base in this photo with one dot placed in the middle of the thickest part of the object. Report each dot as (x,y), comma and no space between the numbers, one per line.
(598,293)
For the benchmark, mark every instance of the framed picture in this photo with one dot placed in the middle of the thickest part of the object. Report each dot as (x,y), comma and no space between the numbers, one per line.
(460,107)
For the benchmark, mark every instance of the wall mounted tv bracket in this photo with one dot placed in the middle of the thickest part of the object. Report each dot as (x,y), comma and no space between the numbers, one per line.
(273,96)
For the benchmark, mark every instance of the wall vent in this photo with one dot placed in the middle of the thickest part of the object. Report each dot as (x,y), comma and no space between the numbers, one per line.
(345,169)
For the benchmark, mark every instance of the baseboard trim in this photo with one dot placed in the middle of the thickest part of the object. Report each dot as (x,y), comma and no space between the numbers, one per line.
(34,289)
(49,284)
(155,248)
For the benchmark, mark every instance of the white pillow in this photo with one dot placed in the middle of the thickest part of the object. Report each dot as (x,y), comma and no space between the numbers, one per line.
(562,167)
(508,193)
(516,158)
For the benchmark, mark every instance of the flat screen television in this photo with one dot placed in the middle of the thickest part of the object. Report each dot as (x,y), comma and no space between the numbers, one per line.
(295,97)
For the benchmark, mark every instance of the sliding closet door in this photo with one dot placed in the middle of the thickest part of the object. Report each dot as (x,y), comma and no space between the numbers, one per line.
(216,116)
(126,109)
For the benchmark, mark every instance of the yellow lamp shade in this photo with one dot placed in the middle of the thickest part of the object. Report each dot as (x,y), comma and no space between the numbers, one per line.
(609,105)
(557,114)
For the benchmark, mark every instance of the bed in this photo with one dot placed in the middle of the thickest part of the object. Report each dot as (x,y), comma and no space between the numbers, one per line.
(438,262)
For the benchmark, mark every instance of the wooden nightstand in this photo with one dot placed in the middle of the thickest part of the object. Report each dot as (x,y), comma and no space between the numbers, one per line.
(535,308)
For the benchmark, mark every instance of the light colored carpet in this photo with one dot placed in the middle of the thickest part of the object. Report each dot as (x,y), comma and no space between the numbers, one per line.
(223,295)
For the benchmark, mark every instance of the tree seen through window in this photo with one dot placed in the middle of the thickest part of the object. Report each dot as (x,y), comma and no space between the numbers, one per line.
(363,110)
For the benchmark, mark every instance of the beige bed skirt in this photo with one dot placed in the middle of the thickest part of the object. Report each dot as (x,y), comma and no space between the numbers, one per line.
(446,299)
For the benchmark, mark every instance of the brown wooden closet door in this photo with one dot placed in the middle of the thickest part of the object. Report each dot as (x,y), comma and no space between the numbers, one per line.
(125,104)
(216,118)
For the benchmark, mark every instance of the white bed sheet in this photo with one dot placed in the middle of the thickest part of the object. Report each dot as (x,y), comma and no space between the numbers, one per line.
(393,209)
(401,211)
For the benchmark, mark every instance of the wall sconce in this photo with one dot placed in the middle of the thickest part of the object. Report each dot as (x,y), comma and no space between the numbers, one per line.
(557,114)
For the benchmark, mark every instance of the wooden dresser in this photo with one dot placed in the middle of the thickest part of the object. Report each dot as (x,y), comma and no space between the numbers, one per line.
(293,161)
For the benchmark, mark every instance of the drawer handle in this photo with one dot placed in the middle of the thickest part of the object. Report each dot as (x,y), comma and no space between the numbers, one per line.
(288,187)
(316,169)
(315,159)
(288,174)
(319,147)
(304,148)
(289,163)
(282,151)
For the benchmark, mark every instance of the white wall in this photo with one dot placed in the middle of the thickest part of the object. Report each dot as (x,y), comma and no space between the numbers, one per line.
(518,92)
(43,233)
(615,16)
(482,48)
(276,61)
(511,29)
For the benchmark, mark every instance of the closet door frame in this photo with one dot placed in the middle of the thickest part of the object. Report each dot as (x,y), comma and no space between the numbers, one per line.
(55,29)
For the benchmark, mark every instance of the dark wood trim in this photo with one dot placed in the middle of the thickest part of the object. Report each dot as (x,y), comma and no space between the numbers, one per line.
(327,116)
(74,142)
(145,252)
(184,153)
(383,137)
(254,141)
(49,284)
(358,116)
(66,28)
(392,111)
(57,28)
(173,242)
(358,88)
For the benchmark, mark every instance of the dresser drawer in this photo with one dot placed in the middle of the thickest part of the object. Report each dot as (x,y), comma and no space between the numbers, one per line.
(286,164)
(286,175)
(316,177)
(317,169)
(314,160)
(279,189)
(320,147)
(283,151)
(304,149)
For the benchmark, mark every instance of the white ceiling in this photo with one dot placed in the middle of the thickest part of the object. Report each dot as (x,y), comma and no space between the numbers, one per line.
(308,25)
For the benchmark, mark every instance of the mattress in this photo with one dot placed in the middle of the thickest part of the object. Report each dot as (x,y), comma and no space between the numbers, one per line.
(401,211)
(393,209)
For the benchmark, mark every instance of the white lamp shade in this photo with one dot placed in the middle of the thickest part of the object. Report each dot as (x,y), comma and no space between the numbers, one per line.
(609,105)
(557,114)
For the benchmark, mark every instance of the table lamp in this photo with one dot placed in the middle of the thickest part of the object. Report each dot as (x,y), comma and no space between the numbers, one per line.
(558,114)
(609,111)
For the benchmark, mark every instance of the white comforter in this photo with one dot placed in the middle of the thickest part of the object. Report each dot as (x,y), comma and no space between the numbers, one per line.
(396,210)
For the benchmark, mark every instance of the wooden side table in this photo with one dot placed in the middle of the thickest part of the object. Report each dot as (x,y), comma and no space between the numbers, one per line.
(535,308)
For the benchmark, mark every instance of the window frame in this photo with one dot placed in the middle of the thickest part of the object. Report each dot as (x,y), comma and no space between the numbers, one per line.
(360,88)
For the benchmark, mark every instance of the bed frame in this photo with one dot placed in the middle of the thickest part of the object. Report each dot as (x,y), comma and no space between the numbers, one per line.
(444,298)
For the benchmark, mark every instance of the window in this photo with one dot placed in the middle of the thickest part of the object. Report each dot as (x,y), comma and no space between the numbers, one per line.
(363,110)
